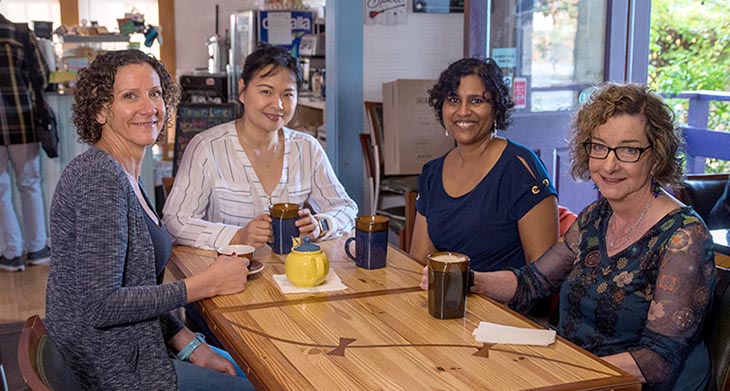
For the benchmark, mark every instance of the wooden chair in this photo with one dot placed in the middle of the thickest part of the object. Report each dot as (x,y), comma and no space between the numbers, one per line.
(398,186)
(167,183)
(402,218)
(40,363)
(701,191)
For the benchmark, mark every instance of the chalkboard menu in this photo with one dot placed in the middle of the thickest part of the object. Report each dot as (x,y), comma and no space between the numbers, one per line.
(193,118)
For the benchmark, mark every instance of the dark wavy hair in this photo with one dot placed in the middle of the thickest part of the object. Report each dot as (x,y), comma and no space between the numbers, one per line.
(274,58)
(611,100)
(491,76)
(94,90)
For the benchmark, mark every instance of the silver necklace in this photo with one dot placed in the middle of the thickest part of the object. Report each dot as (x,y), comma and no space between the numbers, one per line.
(266,162)
(625,237)
(256,152)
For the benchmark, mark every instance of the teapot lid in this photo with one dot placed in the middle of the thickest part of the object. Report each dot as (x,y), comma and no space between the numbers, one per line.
(307,246)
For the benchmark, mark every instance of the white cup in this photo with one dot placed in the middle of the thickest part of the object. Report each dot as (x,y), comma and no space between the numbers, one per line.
(241,250)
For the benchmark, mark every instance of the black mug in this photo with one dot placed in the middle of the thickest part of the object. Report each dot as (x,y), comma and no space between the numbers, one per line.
(448,284)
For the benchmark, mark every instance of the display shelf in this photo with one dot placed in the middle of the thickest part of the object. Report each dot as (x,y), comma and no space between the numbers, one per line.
(94,38)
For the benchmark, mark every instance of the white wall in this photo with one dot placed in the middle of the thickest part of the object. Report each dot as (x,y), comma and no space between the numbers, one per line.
(420,49)
(195,22)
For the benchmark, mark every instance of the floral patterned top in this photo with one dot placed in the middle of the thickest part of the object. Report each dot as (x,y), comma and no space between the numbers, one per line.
(649,300)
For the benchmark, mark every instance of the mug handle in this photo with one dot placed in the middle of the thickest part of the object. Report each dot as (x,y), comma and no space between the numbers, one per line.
(347,248)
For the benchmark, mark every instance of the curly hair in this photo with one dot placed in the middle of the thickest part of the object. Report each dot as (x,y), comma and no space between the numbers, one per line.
(611,100)
(94,90)
(491,76)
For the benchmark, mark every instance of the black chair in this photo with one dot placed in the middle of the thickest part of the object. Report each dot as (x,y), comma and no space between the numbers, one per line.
(40,363)
(717,332)
(701,191)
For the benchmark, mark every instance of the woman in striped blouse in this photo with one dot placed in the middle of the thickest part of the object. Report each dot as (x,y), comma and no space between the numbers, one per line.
(231,173)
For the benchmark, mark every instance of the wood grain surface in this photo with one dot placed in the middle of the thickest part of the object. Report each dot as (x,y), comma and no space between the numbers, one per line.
(378,335)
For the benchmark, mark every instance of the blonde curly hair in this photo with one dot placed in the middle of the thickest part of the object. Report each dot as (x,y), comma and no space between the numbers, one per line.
(611,100)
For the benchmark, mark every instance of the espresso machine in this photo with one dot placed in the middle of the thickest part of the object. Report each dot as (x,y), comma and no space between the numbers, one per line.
(217,50)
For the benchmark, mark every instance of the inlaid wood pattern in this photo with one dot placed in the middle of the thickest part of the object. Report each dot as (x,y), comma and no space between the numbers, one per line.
(378,334)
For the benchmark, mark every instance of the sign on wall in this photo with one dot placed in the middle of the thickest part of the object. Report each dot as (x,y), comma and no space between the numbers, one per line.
(438,6)
(388,12)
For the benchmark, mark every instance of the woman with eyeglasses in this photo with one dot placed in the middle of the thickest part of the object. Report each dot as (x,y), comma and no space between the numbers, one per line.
(636,270)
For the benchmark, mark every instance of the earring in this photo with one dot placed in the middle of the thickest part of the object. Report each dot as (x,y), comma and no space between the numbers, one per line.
(494,127)
(446,132)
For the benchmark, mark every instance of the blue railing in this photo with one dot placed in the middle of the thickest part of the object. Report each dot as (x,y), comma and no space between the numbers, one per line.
(703,143)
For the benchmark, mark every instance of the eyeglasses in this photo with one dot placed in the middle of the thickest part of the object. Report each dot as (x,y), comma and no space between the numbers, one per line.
(624,154)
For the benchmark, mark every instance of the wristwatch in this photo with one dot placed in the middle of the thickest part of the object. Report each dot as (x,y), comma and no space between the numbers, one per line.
(324,226)
(471,279)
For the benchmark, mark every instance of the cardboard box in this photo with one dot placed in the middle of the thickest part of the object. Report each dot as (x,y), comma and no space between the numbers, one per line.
(411,134)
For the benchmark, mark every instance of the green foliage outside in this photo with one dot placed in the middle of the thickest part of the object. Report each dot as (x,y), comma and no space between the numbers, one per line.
(690,50)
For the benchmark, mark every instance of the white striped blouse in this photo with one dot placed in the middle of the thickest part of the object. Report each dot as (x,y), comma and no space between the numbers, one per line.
(216,190)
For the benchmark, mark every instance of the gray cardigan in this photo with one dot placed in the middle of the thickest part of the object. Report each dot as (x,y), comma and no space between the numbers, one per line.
(104,309)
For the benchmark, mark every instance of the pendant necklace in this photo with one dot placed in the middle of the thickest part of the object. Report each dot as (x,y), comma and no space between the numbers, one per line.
(254,151)
(625,237)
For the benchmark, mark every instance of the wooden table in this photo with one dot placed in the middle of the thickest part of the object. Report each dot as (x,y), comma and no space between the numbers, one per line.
(378,335)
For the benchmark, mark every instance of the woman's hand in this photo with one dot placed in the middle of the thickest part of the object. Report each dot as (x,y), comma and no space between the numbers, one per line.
(307,224)
(205,357)
(256,233)
(229,273)
(226,275)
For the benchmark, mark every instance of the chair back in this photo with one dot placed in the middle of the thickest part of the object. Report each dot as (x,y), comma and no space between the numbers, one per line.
(701,191)
(375,117)
(717,332)
(40,362)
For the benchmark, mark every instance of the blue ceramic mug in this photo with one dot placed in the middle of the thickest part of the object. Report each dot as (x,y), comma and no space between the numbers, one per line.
(371,242)
(283,217)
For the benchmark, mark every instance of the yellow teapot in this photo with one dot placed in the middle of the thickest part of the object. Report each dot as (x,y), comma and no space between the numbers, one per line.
(306,265)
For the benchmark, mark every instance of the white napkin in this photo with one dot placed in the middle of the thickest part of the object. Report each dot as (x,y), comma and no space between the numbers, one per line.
(331,283)
(497,333)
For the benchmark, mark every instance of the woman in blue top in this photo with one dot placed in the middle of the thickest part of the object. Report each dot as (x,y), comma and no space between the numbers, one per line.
(636,270)
(488,198)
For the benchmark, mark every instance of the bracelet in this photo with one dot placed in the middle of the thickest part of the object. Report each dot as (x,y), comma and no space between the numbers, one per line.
(185,352)
(470,279)
(324,226)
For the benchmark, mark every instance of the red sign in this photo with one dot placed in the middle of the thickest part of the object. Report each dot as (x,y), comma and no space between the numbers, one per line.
(519,88)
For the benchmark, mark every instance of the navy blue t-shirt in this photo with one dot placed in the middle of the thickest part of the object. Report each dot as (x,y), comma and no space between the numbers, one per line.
(483,223)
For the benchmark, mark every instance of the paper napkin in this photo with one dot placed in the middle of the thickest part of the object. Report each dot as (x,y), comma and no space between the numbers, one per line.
(497,333)
(331,283)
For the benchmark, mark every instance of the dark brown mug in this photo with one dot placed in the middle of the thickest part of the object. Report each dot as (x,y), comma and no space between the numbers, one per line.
(448,284)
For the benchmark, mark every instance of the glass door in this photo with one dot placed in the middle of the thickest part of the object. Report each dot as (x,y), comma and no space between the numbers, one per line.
(553,53)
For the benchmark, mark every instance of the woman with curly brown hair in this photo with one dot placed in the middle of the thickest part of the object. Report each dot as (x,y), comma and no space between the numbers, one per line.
(636,270)
(106,306)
